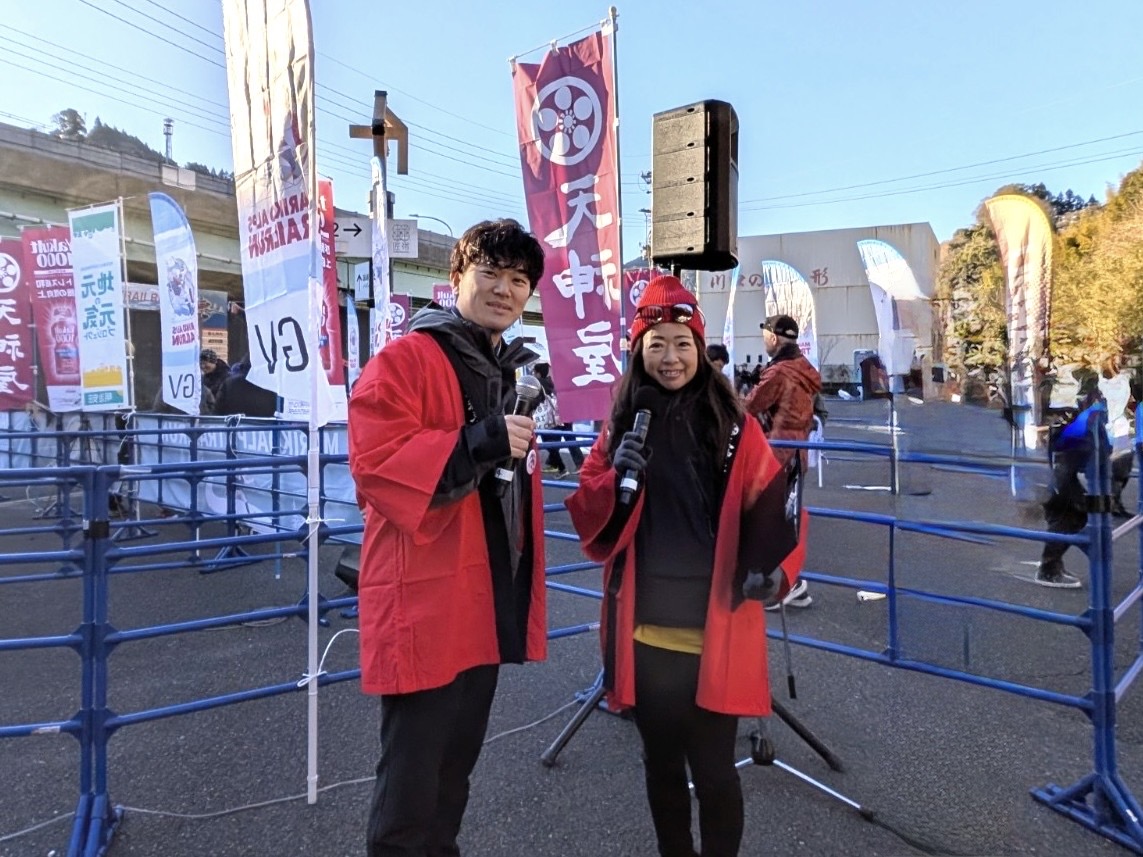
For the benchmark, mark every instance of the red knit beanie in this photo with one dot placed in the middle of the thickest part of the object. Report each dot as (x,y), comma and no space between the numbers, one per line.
(656,305)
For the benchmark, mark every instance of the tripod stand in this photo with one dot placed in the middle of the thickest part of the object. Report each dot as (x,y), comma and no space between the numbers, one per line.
(593,695)
(761,747)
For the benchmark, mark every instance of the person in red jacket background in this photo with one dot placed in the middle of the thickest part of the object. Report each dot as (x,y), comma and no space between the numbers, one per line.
(680,644)
(451,583)
(784,401)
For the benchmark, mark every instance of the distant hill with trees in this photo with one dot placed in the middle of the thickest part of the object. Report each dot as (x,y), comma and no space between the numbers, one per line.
(70,124)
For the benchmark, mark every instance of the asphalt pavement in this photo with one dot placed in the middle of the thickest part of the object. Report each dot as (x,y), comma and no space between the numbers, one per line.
(944,767)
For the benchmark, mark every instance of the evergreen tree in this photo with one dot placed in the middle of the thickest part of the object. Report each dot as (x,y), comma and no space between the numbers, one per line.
(70,125)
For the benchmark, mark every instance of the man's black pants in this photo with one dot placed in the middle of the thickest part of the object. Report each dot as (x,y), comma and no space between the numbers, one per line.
(677,733)
(430,741)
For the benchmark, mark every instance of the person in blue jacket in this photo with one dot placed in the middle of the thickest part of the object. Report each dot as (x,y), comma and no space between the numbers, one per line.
(1065,510)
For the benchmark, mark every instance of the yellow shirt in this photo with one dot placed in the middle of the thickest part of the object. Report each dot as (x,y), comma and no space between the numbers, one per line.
(686,640)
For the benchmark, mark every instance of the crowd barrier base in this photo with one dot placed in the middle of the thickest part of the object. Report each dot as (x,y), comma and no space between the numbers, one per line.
(1102,804)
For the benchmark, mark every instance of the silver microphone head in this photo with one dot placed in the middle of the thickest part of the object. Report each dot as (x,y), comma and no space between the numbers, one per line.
(528,389)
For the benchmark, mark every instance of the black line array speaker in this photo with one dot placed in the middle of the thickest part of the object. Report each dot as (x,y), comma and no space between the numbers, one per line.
(694,187)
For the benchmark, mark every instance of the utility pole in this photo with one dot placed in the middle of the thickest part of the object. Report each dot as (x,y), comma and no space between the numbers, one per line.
(384,126)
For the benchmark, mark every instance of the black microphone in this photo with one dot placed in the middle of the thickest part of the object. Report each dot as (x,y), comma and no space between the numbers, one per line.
(529,394)
(645,402)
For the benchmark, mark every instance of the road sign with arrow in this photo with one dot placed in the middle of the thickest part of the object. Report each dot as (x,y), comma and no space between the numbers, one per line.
(351,236)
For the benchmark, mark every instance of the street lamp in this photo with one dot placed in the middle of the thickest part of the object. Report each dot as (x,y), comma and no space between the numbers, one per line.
(437,219)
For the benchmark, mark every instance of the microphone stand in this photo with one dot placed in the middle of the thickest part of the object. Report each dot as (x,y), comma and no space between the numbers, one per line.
(593,695)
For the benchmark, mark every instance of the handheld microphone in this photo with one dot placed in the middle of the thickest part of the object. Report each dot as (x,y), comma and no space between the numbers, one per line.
(529,394)
(645,401)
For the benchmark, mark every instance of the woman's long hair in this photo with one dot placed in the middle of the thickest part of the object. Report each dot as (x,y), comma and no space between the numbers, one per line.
(716,406)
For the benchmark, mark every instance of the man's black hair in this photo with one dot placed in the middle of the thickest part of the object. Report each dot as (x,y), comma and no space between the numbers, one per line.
(501,243)
(717,351)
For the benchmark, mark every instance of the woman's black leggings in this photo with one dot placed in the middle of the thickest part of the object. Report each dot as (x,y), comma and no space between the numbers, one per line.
(677,734)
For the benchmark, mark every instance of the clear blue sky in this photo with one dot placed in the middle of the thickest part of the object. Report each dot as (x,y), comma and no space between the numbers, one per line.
(846,108)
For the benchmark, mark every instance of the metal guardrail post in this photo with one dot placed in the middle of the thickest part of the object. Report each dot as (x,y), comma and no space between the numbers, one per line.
(1100,801)
(95,819)
(231,554)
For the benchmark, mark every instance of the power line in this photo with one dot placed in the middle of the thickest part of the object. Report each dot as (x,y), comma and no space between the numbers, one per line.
(415,98)
(143,14)
(199,113)
(969,181)
(946,170)
(111,97)
(220,65)
(157,5)
(512,160)
(149,33)
(73,52)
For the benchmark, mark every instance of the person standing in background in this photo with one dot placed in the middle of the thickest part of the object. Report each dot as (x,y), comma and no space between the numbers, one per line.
(783,401)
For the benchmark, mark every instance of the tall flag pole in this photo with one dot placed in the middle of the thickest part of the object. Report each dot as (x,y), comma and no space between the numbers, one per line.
(610,30)
(269,70)
(567,132)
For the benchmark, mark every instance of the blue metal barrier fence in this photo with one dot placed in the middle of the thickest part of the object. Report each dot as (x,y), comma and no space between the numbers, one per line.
(1100,800)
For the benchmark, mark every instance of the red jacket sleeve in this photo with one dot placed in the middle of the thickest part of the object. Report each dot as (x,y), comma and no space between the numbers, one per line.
(402,430)
(760,467)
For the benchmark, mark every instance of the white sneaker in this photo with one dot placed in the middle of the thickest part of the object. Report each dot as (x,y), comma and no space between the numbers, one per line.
(798,596)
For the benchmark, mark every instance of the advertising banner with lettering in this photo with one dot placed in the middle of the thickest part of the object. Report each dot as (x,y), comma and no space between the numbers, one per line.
(177,268)
(97,270)
(376,330)
(788,293)
(361,281)
(329,327)
(214,323)
(400,308)
(443,295)
(17,372)
(898,302)
(1025,237)
(728,327)
(634,281)
(565,122)
(142,296)
(378,203)
(47,259)
(269,71)
(352,341)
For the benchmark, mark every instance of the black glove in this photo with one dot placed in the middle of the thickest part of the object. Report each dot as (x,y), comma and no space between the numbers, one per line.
(629,455)
(762,586)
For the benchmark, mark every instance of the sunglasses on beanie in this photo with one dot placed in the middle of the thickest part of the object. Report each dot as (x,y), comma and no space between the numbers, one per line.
(677,313)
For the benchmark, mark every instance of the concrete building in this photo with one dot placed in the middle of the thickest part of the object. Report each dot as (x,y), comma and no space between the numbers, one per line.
(41,177)
(831,265)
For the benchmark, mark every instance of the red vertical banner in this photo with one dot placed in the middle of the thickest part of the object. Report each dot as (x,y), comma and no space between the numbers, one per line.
(400,308)
(329,329)
(17,372)
(47,262)
(567,150)
(443,295)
